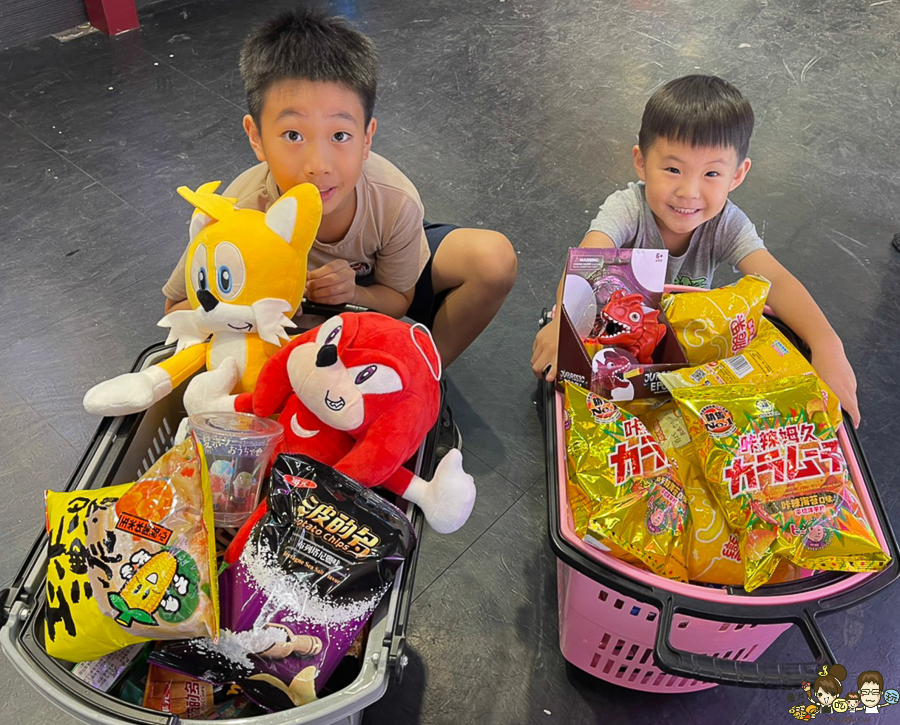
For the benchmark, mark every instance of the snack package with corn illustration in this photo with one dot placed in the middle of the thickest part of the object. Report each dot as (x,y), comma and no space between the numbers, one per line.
(157,550)
(774,463)
(719,323)
(74,627)
(768,357)
(637,501)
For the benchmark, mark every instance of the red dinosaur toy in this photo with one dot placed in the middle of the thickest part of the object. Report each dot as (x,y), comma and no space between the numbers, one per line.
(625,324)
(609,367)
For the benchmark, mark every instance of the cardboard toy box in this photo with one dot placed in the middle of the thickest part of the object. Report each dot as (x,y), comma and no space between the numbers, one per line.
(592,276)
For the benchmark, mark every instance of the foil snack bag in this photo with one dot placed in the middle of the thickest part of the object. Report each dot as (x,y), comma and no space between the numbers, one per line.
(719,323)
(773,462)
(768,357)
(303,576)
(713,552)
(637,502)
(154,572)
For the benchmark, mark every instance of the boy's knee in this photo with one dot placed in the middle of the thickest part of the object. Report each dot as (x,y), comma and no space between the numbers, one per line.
(495,264)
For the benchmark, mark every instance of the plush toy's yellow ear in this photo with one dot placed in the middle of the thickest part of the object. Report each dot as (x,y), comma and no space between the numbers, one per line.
(199,220)
(295,217)
(214,206)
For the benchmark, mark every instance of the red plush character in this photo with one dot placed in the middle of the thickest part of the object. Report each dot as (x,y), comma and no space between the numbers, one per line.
(625,324)
(360,393)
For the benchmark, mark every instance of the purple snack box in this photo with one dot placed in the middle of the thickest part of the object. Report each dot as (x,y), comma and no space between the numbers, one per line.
(303,583)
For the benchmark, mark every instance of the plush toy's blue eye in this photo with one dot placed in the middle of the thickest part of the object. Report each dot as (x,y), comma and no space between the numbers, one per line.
(228,272)
(202,282)
(225,279)
(366,374)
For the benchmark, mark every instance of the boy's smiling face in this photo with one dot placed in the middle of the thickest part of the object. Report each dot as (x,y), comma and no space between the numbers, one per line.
(687,185)
(314,132)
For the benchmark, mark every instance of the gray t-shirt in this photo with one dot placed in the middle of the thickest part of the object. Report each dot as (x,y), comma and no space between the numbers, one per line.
(728,237)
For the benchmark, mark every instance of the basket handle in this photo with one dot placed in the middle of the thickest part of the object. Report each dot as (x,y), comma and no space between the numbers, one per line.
(733,672)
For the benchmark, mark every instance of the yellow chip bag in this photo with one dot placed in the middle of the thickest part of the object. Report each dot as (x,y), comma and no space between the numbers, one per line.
(773,462)
(713,552)
(74,627)
(719,323)
(770,356)
(637,501)
(581,507)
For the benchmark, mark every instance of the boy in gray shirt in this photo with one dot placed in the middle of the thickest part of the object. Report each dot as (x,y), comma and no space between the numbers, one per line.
(728,237)
(691,152)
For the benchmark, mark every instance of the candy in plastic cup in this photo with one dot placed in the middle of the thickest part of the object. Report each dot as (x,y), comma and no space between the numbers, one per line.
(238,448)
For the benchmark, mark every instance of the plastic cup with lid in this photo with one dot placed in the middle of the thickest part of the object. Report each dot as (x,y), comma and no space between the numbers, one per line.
(238,448)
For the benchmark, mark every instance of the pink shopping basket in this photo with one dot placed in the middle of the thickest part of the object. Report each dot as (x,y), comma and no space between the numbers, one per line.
(639,630)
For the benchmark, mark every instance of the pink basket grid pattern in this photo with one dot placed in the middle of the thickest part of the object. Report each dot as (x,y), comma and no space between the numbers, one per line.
(611,636)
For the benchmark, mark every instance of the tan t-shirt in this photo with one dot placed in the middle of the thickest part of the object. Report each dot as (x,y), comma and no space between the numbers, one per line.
(386,236)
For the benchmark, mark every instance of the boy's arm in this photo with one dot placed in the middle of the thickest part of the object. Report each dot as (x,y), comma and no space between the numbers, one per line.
(384,299)
(546,342)
(172,305)
(789,300)
(335,284)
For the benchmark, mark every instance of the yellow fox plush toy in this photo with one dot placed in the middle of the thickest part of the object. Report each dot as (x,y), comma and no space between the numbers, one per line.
(245,274)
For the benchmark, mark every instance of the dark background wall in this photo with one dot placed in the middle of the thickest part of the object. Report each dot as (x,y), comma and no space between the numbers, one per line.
(22,21)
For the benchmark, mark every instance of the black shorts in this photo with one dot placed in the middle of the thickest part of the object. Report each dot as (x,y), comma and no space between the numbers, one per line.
(425,302)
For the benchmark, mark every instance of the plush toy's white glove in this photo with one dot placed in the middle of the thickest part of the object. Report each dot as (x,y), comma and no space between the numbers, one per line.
(184,328)
(210,391)
(447,499)
(129,393)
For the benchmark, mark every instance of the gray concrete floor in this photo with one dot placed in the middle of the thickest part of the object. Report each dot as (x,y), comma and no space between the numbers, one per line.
(517,115)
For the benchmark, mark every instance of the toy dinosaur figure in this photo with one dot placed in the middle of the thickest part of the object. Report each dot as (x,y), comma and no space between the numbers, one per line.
(610,367)
(625,324)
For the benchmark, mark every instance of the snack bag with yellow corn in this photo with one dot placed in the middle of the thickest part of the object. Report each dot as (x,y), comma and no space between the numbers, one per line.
(74,627)
(768,357)
(719,323)
(773,462)
(155,551)
(637,502)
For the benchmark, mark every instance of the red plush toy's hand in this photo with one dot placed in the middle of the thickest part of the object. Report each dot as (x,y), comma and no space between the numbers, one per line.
(388,443)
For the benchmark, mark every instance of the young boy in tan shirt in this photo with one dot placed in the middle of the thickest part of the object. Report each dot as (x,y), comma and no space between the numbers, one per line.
(311,83)
(691,152)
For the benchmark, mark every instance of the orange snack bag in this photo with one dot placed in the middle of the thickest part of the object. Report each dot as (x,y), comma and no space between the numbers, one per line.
(163,584)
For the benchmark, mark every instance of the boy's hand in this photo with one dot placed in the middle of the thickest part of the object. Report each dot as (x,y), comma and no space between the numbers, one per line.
(833,367)
(333,284)
(544,351)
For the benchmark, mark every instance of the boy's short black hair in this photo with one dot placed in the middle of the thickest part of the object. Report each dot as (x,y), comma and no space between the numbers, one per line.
(699,111)
(308,45)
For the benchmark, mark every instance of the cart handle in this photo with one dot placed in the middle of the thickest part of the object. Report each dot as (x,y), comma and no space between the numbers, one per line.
(735,672)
